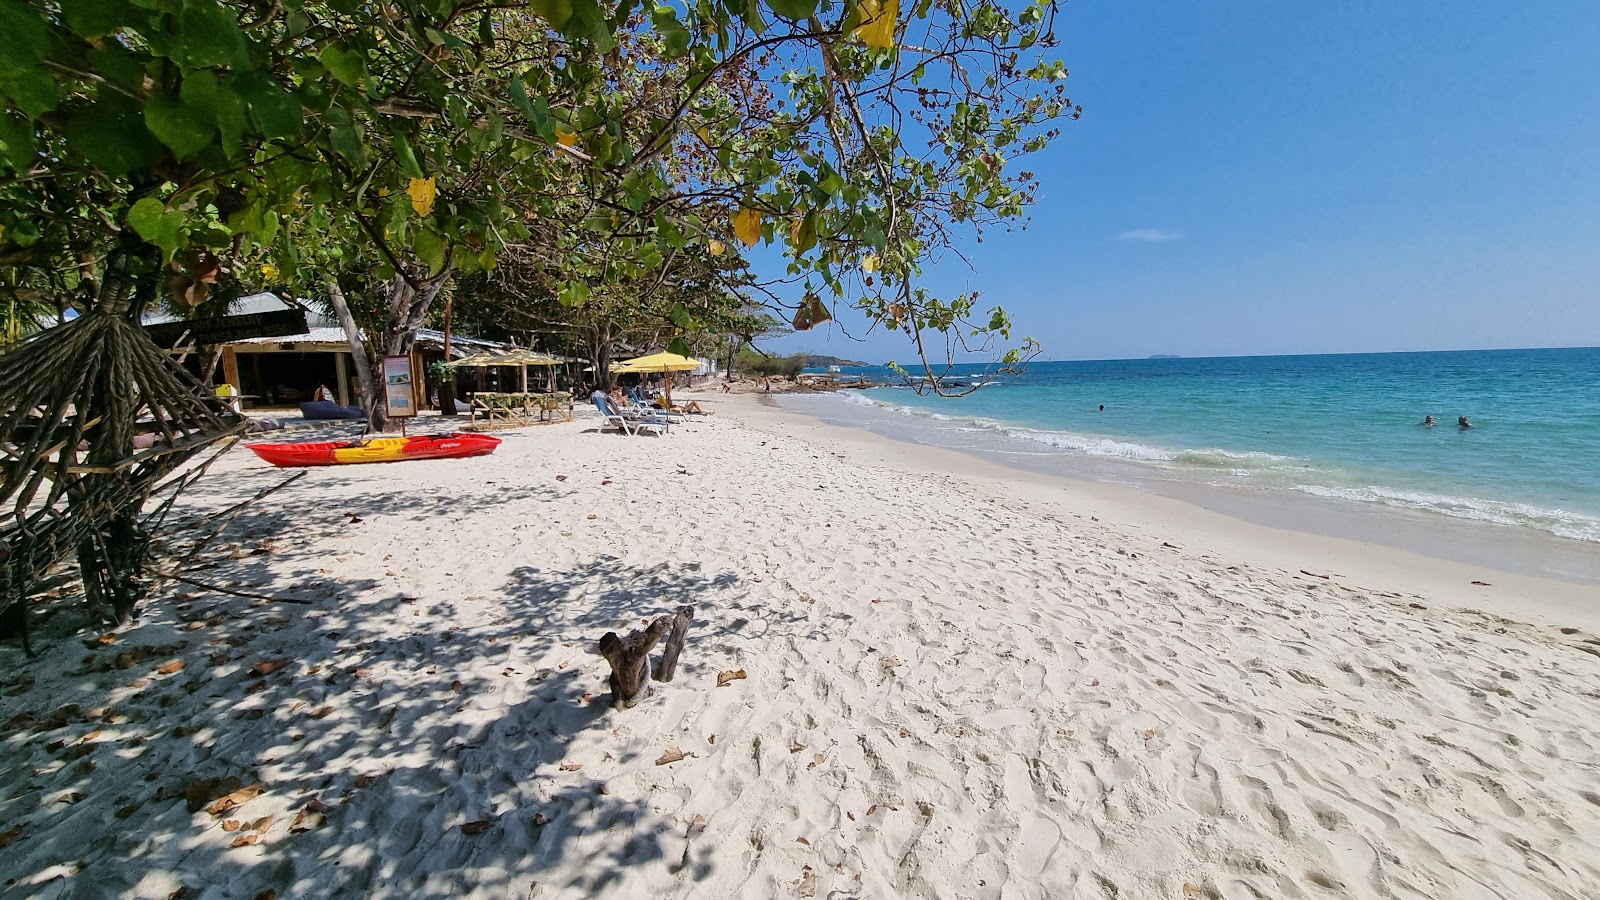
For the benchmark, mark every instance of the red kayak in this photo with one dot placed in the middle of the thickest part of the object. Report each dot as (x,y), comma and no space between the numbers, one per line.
(336,453)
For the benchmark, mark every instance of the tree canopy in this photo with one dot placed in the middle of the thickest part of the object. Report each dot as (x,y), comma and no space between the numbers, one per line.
(300,144)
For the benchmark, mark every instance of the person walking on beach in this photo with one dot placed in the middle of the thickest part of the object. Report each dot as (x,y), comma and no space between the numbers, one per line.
(1463,423)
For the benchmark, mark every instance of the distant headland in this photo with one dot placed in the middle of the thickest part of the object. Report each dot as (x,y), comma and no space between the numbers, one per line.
(814,361)
(1164,356)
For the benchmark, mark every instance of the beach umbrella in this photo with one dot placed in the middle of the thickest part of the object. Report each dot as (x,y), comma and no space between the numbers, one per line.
(478,359)
(659,362)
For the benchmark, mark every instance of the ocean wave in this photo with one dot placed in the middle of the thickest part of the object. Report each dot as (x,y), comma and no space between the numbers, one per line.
(1500,512)
(1090,445)
(1222,467)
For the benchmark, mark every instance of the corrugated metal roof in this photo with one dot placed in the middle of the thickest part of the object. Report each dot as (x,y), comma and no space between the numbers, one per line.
(459,346)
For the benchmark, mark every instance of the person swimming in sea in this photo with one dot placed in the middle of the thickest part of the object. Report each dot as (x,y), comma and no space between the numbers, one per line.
(1428,422)
(1463,423)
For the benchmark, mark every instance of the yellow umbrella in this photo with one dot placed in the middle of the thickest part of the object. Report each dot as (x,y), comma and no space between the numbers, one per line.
(659,362)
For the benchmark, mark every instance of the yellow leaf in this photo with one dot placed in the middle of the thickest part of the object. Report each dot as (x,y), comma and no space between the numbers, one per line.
(383,191)
(716,247)
(878,23)
(794,231)
(269,271)
(566,138)
(870,264)
(747,225)
(422,191)
(705,134)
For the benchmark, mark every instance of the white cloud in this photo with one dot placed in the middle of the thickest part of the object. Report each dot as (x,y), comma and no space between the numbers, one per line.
(1149,235)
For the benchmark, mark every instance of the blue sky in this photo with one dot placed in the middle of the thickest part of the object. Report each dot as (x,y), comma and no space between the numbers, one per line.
(1254,177)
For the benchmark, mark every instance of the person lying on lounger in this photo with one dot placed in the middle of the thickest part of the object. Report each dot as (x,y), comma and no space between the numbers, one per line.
(691,408)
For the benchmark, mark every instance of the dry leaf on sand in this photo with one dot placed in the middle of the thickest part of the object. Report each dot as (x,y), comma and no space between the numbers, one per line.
(245,840)
(171,667)
(305,820)
(268,666)
(726,678)
(807,887)
(232,825)
(672,755)
(571,766)
(699,824)
(229,801)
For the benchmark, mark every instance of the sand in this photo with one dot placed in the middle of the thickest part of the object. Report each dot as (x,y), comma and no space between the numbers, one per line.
(958,684)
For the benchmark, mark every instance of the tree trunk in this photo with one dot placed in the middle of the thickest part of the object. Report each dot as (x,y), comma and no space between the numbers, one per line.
(377,416)
(447,381)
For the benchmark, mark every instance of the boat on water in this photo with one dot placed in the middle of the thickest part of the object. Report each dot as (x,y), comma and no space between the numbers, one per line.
(394,449)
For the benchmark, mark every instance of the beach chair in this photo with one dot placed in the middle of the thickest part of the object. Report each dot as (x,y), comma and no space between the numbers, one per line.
(645,407)
(611,418)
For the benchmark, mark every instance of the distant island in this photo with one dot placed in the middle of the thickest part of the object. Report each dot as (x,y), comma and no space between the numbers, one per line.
(814,361)
(1164,356)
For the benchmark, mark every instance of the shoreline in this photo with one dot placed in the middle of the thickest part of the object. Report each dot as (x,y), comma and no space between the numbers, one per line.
(1164,517)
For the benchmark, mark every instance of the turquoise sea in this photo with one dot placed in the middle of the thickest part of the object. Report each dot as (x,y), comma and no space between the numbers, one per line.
(1345,427)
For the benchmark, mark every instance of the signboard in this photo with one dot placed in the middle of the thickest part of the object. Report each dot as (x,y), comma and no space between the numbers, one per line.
(397,387)
(224,329)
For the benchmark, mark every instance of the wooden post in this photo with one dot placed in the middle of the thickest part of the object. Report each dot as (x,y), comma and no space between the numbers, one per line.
(674,645)
(230,368)
(342,376)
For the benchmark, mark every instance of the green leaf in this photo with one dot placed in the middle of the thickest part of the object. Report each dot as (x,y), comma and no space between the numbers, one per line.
(406,157)
(157,224)
(277,112)
(679,316)
(348,66)
(576,293)
(32,89)
(96,18)
(209,36)
(111,134)
(185,129)
(794,9)
(430,249)
(119,66)
(16,140)
(27,36)
(557,12)
(680,347)
(589,21)
(752,17)
(203,94)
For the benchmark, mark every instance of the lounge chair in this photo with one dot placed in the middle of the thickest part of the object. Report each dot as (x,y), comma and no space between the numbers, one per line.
(645,407)
(610,418)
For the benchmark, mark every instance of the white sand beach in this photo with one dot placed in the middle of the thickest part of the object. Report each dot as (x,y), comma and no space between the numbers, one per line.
(958,683)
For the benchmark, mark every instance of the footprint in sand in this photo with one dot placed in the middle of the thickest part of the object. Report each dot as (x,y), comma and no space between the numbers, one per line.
(1036,843)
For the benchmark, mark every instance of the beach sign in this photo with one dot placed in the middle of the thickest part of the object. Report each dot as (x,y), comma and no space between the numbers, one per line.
(397,387)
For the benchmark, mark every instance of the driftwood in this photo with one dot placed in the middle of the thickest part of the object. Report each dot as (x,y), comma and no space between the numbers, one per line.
(674,645)
(630,656)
